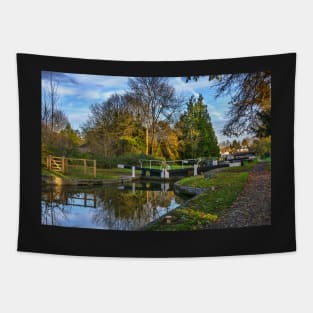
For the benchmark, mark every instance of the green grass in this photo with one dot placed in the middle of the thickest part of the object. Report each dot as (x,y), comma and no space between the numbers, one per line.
(200,211)
(78,173)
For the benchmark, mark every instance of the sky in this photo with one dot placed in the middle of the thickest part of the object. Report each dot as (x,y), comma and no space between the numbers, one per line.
(78,92)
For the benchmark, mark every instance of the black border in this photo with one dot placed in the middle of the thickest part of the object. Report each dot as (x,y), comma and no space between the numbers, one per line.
(279,237)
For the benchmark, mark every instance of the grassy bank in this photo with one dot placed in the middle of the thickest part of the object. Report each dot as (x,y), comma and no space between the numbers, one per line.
(77,173)
(200,211)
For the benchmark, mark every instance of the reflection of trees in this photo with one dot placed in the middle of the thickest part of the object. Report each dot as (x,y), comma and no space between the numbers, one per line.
(131,210)
(56,204)
(110,207)
(53,209)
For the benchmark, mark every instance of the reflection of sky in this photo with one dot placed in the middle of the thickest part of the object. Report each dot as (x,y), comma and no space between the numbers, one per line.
(74,214)
(80,217)
(78,91)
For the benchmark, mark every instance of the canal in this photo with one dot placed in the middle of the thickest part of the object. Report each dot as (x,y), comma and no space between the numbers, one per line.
(129,206)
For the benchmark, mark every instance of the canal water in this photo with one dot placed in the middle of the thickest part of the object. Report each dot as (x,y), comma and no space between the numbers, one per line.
(129,206)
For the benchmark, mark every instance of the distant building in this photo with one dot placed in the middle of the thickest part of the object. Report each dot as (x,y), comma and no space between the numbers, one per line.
(225,154)
(243,149)
(239,155)
(84,148)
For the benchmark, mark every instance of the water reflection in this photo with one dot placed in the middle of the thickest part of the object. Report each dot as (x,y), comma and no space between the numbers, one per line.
(124,207)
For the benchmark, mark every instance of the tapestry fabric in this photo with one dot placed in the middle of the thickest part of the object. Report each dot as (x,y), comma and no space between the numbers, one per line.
(156,159)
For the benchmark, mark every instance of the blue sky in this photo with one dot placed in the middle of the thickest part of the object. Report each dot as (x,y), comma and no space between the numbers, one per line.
(78,91)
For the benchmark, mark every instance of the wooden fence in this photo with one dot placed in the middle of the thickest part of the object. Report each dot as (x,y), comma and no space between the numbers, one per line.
(62,164)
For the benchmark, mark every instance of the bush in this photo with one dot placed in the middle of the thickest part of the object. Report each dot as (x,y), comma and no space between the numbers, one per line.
(102,161)
(127,159)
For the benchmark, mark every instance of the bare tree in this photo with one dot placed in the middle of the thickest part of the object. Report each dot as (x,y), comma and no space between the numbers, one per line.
(60,120)
(45,109)
(153,100)
(50,100)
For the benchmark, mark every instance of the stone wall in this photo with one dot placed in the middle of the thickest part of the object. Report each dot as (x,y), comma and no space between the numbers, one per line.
(187,190)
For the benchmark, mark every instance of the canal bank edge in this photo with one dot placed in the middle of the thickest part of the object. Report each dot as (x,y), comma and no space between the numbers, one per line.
(195,196)
(189,191)
(185,190)
(58,181)
(194,192)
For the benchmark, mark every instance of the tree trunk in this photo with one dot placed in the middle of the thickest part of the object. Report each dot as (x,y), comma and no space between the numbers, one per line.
(153,142)
(147,140)
(52,95)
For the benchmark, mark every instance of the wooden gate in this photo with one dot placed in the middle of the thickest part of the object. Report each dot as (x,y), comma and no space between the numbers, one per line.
(56,164)
(61,164)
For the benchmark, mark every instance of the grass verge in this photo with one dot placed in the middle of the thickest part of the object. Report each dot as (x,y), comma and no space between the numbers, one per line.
(204,209)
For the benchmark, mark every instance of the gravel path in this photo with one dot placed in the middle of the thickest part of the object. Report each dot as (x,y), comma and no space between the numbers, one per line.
(253,206)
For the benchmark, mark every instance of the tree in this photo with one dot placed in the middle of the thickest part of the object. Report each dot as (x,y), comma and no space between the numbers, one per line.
(167,140)
(45,108)
(53,120)
(235,145)
(153,100)
(74,139)
(225,146)
(197,135)
(50,99)
(245,142)
(262,147)
(250,103)
(60,120)
(112,129)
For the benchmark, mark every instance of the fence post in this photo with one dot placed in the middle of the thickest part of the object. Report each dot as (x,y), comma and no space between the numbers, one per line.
(94,199)
(49,162)
(85,199)
(63,166)
(85,167)
(195,169)
(133,171)
(94,168)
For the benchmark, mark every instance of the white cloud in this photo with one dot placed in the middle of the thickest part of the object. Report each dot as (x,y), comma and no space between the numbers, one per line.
(97,94)
(215,114)
(100,80)
(180,85)
(62,90)
(65,91)
(107,94)
(90,94)
(77,115)
(78,118)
